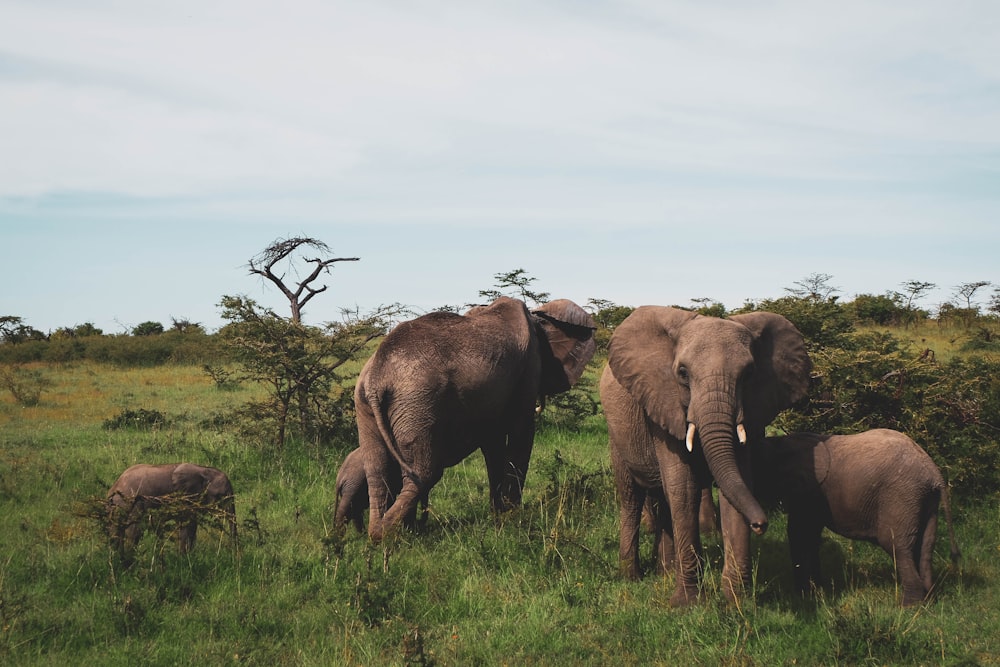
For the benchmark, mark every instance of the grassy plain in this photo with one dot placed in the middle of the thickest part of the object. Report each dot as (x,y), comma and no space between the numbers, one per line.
(538,586)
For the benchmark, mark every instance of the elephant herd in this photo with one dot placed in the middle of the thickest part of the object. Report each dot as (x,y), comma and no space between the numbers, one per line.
(687,399)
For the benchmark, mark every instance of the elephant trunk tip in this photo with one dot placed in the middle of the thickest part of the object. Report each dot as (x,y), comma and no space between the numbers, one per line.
(759,527)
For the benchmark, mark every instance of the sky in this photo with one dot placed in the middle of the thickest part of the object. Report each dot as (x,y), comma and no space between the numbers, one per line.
(636,151)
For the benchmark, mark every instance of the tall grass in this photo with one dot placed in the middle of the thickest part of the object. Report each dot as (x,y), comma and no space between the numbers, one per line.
(536,586)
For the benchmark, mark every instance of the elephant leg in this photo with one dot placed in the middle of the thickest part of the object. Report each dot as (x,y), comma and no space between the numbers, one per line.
(404,508)
(505,485)
(736,568)
(708,520)
(926,555)
(380,496)
(630,501)
(804,535)
(186,533)
(902,550)
(520,442)
(663,534)
(682,496)
(416,484)
(134,520)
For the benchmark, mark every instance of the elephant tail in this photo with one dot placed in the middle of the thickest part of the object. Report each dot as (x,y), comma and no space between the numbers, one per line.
(946,502)
(379,411)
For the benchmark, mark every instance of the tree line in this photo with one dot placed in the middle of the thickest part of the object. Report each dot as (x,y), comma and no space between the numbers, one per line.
(865,375)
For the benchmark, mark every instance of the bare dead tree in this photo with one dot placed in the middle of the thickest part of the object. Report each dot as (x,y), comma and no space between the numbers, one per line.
(282,249)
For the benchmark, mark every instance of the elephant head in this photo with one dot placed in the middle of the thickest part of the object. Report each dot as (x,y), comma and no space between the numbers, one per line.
(567,340)
(712,380)
(210,484)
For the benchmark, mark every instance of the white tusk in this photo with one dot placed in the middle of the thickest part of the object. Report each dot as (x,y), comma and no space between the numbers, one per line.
(741,433)
(690,437)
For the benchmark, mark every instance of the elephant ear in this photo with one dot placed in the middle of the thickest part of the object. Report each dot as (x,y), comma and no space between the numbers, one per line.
(781,366)
(219,485)
(567,342)
(641,356)
(189,478)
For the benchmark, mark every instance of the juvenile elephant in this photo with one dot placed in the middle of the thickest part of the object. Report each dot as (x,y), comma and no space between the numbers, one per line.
(682,394)
(878,486)
(443,385)
(352,492)
(144,487)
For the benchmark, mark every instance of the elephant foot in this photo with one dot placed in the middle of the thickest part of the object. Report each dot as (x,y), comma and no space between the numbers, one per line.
(685,596)
(629,570)
(911,598)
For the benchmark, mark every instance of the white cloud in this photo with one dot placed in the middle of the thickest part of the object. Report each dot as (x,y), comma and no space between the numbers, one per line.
(658,141)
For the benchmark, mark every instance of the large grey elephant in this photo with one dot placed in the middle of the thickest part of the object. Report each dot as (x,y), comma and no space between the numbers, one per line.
(443,385)
(682,394)
(352,492)
(144,487)
(878,486)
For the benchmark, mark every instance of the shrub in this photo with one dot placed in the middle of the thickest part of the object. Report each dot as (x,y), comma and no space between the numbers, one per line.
(147,329)
(823,322)
(141,419)
(877,381)
(25,385)
(878,309)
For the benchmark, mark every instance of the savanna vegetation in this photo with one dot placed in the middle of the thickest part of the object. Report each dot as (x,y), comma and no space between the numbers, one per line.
(266,399)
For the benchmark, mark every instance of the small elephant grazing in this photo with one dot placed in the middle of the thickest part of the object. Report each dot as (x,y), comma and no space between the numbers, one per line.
(144,487)
(443,385)
(352,493)
(879,486)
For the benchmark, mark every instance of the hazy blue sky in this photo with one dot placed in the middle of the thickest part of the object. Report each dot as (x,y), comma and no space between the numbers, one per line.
(646,151)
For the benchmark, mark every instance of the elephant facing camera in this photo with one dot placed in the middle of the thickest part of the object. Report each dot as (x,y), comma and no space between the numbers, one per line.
(684,395)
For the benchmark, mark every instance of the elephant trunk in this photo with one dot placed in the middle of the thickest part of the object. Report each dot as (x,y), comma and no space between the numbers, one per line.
(719,445)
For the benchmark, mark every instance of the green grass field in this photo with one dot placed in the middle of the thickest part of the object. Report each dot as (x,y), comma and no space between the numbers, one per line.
(538,586)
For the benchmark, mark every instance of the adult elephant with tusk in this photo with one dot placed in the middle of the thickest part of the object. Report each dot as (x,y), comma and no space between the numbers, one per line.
(682,394)
(443,385)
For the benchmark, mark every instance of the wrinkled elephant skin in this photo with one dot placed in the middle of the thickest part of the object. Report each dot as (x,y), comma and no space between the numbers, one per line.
(682,394)
(878,486)
(443,385)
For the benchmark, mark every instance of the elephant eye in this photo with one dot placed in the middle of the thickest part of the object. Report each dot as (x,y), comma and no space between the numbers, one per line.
(682,374)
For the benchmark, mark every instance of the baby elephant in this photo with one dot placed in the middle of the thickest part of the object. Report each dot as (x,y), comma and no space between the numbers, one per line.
(144,487)
(352,493)
(879,486)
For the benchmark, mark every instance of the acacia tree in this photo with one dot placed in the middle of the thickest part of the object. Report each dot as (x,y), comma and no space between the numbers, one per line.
(299,364)
(815,286)
(914,290)
(967,292)
(13,330)
(286,251)
(516,284)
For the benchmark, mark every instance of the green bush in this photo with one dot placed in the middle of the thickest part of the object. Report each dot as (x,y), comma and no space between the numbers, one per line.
(875,380)
(141,419)
(25,385)
(169,347)
(878,309)
(823,322)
